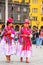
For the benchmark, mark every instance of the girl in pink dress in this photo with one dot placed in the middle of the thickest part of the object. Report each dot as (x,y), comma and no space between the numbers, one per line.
(7,46)
(26,48)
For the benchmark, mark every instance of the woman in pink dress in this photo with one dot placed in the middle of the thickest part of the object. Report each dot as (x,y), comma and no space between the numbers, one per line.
(7,43)
(26,48)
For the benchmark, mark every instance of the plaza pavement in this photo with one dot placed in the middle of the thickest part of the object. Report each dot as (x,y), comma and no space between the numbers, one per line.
(36,59)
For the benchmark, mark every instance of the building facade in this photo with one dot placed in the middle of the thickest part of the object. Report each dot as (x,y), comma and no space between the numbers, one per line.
(21,9)
(17,9)
(36,12)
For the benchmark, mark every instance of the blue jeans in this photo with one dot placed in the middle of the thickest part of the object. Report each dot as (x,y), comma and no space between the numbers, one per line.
(37,41)
(40,40)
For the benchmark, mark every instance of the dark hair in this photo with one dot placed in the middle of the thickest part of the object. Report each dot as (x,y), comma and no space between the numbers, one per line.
(8,23)
(39,31)
(17,28)
(3,26)
(22,25)
(41,27)
(34,26)
(29,26)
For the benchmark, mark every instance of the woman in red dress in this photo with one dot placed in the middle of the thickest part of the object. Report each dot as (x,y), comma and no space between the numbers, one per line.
(26,48)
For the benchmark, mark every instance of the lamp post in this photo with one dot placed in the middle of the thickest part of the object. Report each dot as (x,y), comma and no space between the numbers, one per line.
(6,11)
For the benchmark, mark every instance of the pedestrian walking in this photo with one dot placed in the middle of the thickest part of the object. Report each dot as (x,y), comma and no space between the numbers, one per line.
(26,48)
(37,37)
(7,46)
(40,37)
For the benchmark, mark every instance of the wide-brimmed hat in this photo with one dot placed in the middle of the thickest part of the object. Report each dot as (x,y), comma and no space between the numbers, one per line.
(10,20)
(26,21)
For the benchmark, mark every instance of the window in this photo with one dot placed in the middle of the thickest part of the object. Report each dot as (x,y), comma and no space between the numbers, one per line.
(29,9)
(42,10)
(27,1)
(35,10)
(34,18)
(23,1)
(35,1)
(18,16)
(41,18)
(24,9)
(18,8)
(42,1)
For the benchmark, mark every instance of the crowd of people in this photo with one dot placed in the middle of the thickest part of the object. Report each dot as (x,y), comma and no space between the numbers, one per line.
(38,36)
(19,42)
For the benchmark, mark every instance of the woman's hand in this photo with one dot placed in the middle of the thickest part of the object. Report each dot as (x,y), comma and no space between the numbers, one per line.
(9,32)
(27,35)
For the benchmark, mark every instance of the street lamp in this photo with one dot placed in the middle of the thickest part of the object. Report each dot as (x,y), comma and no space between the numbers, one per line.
(6,11)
